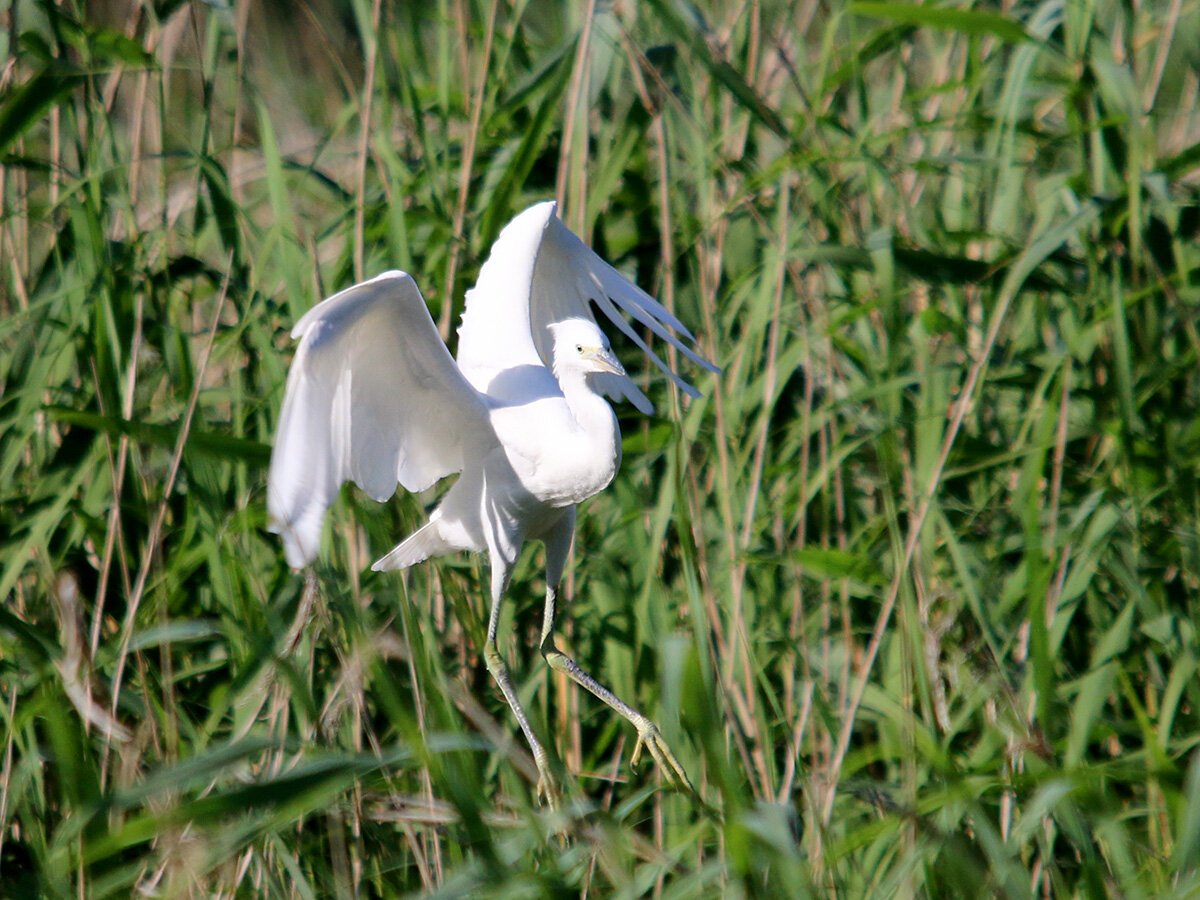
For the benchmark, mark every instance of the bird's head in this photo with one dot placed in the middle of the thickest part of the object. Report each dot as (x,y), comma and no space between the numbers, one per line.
(580,346)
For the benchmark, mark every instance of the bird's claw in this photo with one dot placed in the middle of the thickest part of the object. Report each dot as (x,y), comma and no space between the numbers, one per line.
(548,792)
(651,739)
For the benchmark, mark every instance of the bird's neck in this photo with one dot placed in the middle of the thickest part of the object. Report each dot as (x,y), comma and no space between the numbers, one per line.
(590,410)
(582,459)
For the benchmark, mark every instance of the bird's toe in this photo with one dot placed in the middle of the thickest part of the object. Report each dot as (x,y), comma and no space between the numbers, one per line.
(651,740)
(548,792)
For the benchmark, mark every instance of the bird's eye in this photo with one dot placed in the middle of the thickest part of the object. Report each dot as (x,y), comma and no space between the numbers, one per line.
(579,348)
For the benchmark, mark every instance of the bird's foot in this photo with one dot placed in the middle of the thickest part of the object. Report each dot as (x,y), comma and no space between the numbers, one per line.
(548,792)
(650,738)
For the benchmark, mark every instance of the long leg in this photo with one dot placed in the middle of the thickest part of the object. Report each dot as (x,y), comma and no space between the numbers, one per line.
(495,664)
(558,544)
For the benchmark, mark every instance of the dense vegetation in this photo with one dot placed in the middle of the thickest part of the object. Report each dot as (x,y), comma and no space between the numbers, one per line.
(913,587)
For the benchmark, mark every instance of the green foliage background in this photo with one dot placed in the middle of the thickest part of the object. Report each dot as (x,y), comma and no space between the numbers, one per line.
(912,588)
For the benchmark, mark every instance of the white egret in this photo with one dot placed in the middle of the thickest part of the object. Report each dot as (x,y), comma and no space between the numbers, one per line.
(374,397)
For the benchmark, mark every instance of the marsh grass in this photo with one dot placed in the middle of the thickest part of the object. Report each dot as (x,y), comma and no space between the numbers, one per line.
(912,586)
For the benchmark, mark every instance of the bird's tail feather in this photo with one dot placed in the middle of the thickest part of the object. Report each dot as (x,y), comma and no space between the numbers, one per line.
(423,543)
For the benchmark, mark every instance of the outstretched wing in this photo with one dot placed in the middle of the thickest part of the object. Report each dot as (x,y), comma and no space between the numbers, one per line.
(373,397)
(539,273)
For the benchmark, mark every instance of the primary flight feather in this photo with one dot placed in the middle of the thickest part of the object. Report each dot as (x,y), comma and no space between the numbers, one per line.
(374,397)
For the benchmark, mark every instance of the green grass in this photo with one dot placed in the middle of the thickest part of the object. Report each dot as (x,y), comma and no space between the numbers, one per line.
(913,587)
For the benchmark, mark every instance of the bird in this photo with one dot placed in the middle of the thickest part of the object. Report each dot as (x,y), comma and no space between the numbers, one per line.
(374,397)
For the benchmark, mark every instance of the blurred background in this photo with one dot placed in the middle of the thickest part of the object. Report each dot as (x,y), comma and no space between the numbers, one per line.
(912,587)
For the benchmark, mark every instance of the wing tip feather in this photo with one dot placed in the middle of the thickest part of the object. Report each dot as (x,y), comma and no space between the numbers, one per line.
(595,278)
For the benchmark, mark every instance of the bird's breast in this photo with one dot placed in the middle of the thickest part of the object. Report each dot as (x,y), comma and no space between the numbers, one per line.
(561,485)
(570,476)
(555,460)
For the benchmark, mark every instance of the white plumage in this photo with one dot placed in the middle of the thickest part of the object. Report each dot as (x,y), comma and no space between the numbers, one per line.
(374,397)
